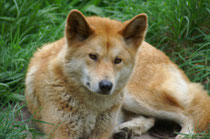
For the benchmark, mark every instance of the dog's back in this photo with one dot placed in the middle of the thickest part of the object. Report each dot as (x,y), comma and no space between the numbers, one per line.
(159,89)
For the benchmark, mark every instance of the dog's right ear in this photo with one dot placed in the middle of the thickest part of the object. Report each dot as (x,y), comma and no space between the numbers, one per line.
(77,27)
(134,31)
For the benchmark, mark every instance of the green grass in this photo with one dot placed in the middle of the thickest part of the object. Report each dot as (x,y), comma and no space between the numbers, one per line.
(178,27)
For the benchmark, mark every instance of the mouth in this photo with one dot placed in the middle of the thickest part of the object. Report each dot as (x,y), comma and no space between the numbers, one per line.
(104,93)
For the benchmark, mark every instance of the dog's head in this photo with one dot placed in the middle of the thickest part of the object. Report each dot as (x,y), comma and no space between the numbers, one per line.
(100,52)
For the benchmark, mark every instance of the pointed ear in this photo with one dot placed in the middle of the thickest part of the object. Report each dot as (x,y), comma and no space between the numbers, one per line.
(134,30)
(77,27)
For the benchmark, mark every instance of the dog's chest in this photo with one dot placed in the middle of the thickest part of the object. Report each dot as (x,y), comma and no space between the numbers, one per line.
(89,123)
(78,116)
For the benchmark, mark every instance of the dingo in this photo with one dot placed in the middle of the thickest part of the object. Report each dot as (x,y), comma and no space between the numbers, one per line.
(79,83)
(76,82)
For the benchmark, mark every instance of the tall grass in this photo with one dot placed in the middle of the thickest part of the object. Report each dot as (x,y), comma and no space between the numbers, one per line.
(179,28)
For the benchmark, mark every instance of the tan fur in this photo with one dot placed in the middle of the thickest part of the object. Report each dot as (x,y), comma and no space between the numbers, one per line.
(57,93)
(158,88)
(62,82)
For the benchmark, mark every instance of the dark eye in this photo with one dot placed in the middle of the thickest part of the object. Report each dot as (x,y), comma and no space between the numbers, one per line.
(93,57)
(117,60)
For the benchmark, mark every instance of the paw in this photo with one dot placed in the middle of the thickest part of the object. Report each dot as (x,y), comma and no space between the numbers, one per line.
(123,133)
(127,131)
(133,129)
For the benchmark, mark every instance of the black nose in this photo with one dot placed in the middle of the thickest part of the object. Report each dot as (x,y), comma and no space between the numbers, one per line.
(105,86)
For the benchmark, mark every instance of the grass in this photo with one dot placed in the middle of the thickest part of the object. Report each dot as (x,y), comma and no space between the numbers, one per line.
(179,28)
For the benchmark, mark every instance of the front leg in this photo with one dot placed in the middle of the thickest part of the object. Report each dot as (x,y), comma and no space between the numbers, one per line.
(105,123)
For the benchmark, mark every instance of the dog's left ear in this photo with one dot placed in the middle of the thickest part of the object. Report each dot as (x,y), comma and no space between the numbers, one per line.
(135,30)
(77,27)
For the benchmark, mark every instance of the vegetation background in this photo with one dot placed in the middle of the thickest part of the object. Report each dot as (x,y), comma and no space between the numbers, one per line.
(180,28)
